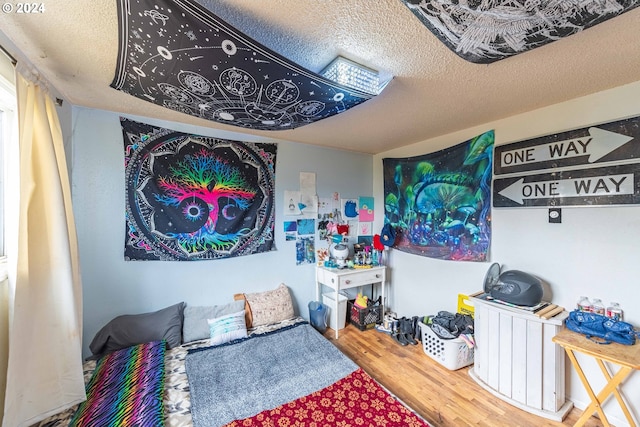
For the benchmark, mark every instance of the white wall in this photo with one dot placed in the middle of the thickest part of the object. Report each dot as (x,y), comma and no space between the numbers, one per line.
(113,286)
(593,252)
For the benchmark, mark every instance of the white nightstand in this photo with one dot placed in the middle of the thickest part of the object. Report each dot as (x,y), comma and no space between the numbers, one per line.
(338,279)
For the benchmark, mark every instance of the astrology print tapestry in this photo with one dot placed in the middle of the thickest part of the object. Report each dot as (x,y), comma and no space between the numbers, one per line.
(179,55)
(440,203)
(193,197)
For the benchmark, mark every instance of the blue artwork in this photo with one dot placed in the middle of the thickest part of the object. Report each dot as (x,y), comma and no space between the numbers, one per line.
(350,209)
(306,226)
(440,203)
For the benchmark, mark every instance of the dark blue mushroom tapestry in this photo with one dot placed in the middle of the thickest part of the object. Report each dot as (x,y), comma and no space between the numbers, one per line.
(440,203)
(485,31)
(191,197)
(177,54)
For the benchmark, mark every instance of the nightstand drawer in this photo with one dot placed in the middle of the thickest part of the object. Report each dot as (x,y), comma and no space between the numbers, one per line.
(349,278)
(361,278)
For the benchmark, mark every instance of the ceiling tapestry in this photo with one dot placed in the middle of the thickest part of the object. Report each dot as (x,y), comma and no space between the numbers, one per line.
(177,54)
(485,31)
(191,197)
(439,203)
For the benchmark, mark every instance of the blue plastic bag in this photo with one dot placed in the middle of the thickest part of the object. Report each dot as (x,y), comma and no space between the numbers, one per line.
(596,325)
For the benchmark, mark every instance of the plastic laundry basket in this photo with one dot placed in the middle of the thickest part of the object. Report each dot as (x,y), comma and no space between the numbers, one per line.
(452,354)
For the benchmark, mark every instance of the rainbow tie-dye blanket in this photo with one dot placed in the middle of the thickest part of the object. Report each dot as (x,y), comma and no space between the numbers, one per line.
(125,389)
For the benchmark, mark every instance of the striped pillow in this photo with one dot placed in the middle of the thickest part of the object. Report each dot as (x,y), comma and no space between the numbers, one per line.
(227,328)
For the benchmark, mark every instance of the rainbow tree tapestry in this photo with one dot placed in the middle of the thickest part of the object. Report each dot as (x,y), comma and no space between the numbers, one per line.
(440,203)
(191,197)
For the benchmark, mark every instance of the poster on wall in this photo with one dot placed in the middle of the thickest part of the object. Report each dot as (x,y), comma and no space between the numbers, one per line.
(349,209)
(290,230)
(305,241)
(305,250)
(191,197)
(366,212)
(291,205)
(440,203)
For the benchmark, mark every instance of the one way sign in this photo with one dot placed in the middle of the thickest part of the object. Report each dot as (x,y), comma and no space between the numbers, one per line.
(606,143)
(606,186)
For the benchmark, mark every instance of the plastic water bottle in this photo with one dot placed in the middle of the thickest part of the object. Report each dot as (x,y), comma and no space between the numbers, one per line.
(584,304)
(598,307)
(614,311)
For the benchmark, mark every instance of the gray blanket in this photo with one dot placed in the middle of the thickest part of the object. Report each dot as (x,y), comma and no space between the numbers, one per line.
(239,380)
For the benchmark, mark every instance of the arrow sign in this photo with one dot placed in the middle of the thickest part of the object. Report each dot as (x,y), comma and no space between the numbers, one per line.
(607,185)
(598,144)
(607,143)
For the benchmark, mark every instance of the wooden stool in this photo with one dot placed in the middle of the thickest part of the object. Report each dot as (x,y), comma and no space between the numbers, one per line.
(625,356)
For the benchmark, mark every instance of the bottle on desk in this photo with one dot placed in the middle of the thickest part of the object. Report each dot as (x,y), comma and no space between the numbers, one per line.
(584,304)
(614,311)
(598,307)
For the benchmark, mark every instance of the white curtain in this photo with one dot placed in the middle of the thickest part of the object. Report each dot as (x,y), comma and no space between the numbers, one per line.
(4,333)
(44,374)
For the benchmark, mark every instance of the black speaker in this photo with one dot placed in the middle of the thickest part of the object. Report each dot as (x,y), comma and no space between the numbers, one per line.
(517,287)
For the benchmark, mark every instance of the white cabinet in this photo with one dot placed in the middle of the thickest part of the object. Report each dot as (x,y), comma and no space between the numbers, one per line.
(516,360)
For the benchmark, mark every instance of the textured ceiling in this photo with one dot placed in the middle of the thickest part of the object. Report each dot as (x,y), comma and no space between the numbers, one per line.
(74,45)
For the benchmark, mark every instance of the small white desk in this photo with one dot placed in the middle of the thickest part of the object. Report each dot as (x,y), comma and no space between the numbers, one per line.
(338,279)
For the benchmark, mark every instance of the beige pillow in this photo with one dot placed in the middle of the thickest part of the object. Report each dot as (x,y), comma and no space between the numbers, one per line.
(270,306)
(247,310)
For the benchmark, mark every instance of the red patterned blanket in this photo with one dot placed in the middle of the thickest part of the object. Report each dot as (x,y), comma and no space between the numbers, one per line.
(355,400)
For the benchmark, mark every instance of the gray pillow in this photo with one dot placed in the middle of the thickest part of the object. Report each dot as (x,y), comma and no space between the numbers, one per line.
(195,326)
(132,329)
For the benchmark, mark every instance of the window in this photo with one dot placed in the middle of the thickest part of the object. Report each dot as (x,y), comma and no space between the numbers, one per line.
(9,186)
(2,178)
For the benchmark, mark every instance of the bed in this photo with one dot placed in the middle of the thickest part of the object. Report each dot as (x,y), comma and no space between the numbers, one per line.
(282,373)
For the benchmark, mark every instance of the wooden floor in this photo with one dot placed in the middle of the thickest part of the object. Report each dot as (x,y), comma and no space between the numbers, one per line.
(444,398)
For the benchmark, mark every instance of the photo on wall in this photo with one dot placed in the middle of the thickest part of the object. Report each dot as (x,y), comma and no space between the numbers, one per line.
(440,203)
(365,210)
(305,250)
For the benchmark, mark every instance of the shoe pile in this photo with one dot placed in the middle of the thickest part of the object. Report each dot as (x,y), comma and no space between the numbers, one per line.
(407,331)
